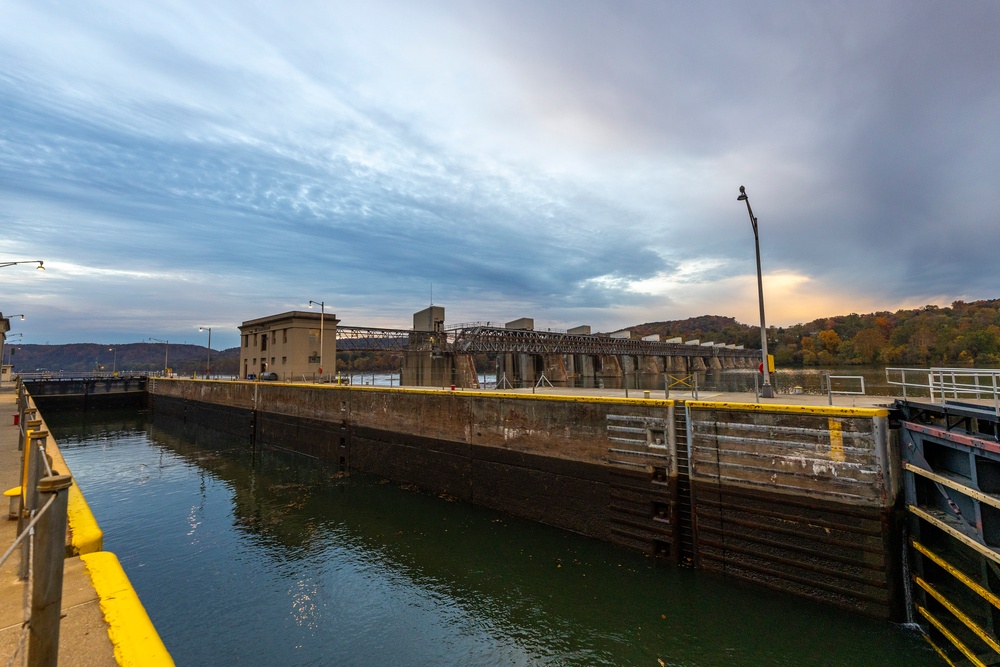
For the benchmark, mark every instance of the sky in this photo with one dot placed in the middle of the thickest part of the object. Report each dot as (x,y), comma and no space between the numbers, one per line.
(192,164)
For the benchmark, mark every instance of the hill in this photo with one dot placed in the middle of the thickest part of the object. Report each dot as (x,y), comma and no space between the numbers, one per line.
(90,357)
(965,334)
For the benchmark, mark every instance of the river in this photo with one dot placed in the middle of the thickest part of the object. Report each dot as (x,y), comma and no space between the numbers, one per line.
(273,560)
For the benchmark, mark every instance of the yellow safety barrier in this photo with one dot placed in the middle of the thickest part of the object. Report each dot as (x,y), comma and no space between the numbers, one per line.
(956,642)
(958,574)
(939,651)
(86,535)
(950,606)
(135,639)
(822,410)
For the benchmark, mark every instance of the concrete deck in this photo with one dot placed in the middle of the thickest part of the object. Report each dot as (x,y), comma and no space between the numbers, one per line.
(83,634)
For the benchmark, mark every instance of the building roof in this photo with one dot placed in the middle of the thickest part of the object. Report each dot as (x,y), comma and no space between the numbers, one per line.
(289,318)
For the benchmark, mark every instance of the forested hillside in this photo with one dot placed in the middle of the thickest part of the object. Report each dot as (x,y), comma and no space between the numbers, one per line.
(92,357)
(965,334)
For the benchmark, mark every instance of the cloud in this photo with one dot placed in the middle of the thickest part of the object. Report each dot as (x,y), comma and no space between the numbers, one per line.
(224,162)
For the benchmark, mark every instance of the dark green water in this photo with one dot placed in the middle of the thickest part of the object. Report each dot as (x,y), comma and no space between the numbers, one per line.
(275,561)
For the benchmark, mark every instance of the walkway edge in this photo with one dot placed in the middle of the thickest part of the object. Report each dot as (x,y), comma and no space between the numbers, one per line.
(86,535)
(132,633)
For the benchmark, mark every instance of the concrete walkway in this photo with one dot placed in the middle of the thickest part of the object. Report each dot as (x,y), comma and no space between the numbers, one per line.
(83,634)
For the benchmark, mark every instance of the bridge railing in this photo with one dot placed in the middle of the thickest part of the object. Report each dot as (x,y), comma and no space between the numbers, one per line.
(943,384)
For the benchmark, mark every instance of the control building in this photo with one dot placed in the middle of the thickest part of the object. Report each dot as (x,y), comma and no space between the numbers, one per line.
(297,345)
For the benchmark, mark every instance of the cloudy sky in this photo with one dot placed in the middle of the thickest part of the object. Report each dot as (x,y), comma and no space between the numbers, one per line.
(189,163)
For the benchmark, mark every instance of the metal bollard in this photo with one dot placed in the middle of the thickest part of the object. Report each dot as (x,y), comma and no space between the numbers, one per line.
(47,564)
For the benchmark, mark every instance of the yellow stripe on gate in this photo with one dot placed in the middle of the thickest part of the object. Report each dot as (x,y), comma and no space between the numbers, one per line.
(836,439)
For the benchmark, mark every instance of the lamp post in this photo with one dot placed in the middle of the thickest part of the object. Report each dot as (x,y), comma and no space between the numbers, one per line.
(166,351)
(40,263)
(114,363)
(208,368)
(767,391)
(9,350)
(322,317)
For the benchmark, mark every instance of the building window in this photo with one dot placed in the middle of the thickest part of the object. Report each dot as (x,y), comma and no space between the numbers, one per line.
(313,337)
(314,358)
(284,360)
(272,360)
(255,361)
(284,335)
(246,340)
(263,342)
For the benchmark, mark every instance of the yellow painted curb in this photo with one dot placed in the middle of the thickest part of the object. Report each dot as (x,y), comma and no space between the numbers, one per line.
(823,410)
(86,535)
(135,639)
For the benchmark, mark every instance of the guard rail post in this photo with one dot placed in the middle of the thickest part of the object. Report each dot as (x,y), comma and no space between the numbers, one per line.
(47,565)
(33,471)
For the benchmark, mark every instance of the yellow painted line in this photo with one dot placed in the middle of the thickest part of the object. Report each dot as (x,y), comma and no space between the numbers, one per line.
(135,639)
(950,606)
(836,439)
(958,574)
(658,402)
(951,637)
(939,651)
(944,481)
(961,537)
(822,410)
(86,535)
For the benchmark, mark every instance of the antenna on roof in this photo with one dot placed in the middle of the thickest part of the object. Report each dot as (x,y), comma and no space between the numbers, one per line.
(432,294)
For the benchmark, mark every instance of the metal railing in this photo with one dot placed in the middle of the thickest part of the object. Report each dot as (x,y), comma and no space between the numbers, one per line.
(42,538)
(830,391)
(942,384)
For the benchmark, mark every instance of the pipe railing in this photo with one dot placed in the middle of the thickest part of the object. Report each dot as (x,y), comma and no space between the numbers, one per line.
(42,522)
(942,384)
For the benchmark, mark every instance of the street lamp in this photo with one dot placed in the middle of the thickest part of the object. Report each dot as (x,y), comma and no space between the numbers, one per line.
(166,352)
(41,264)
(322,316)
(3,347)
(114,363)
(208,368)
(767,391)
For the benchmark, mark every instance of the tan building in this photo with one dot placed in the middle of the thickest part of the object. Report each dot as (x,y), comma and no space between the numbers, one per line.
(288,345)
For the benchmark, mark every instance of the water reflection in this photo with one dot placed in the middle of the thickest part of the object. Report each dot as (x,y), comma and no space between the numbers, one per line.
(267,558)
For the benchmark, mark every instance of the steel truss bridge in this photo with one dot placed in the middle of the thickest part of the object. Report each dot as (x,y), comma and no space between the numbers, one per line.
(478,339)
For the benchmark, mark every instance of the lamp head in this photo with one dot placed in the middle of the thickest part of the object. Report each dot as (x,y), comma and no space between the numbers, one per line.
(22,318)
(743,194)
(41,265)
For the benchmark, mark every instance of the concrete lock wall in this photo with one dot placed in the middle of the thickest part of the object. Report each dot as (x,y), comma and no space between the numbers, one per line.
(797,499)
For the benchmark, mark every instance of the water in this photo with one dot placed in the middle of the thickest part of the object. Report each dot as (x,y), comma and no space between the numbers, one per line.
(275,561)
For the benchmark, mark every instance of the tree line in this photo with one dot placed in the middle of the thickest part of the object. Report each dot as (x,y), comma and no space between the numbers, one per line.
(964,334)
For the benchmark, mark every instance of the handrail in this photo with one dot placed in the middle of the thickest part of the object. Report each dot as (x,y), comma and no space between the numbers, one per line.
(27,530)
(830,391)
(954,383)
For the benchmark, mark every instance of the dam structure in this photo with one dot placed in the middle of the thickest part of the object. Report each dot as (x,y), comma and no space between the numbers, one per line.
(434,355)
